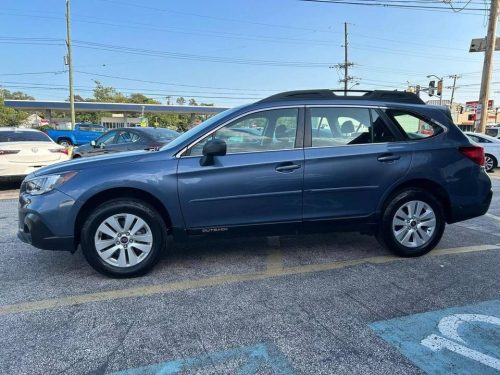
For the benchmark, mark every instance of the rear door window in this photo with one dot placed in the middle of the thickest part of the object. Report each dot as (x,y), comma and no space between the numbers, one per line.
(332,127)
(414,126)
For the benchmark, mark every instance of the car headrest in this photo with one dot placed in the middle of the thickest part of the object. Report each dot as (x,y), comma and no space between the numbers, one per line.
(347,127)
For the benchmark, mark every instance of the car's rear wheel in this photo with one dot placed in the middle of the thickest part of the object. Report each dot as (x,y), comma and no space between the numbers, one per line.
(123,238)
(412,224)
(489,162)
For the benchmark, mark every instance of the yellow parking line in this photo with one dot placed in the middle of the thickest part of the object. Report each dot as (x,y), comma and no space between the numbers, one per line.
(215,281)
(274,256)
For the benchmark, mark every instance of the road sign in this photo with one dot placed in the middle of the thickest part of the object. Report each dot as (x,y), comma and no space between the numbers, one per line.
(473,105)
(479,45)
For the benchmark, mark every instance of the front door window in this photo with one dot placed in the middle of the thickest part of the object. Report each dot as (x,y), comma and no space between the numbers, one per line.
(264,131)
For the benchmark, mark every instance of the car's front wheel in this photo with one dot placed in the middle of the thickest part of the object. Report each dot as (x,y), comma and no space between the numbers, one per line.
(412,224)
(123,238)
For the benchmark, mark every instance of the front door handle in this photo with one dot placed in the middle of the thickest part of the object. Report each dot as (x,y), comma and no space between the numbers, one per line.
(287,167)
(386,158)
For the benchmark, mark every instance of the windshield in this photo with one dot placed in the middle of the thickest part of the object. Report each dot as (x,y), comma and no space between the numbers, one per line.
(200,128)
(492,132)
(23,136)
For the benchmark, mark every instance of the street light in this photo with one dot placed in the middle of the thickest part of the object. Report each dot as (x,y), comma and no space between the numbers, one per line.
(440,82)
(357,83)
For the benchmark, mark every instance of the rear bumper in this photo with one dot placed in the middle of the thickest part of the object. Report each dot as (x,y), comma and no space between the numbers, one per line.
(460,213)
(16,169)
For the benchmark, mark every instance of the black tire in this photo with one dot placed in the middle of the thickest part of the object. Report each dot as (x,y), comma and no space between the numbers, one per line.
(76,156)
(493,164)
(385,233)
(66,142)
(127,206)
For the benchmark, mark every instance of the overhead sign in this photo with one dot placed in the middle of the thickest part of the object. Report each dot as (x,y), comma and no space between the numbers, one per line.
(475,104)
(479,45)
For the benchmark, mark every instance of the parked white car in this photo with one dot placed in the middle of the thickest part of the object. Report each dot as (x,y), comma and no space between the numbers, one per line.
(491,149)
(22,151)
(493,131)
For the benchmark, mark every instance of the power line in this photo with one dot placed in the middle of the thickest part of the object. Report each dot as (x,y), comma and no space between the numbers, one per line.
(386,4)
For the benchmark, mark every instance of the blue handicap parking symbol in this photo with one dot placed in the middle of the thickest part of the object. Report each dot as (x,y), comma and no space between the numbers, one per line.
(251,360)
(461,340)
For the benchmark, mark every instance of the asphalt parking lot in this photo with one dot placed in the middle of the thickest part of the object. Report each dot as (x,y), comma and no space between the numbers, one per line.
(316,304)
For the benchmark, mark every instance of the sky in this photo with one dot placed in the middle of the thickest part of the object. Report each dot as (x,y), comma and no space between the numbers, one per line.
(231,52)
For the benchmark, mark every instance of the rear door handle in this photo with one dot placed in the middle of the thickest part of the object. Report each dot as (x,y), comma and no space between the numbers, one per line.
(385,158)
(287,167)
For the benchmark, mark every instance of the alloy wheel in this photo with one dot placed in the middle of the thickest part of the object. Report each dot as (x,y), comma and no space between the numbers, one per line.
(488,163)
(414,224)
(123,240)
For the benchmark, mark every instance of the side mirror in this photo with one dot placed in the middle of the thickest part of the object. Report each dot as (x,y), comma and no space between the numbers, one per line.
(215,147)
(93,143)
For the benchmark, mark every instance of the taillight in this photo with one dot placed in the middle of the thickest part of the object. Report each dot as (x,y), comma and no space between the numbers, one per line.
(9,152)
(474,153)
(61,150)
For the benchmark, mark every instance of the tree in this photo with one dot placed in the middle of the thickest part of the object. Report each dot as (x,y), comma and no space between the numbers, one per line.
(11,116)
(192,102)
(180,100)
(107,94)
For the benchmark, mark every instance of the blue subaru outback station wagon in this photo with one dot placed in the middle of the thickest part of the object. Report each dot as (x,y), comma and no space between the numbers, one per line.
(379,162)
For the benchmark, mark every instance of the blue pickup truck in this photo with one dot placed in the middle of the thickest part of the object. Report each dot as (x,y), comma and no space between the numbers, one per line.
(83,134)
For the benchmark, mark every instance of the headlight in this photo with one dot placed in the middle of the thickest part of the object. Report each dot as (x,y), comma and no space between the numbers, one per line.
(44,184)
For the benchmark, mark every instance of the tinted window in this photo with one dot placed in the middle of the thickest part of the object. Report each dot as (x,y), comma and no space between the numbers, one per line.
(262,131)
(84,128)
(127,137)
(415,127)
(347,126)
(478,139)
(23,136)
(107,138)
(161,135)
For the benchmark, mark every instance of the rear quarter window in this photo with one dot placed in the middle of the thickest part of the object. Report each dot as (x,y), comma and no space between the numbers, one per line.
(414,126)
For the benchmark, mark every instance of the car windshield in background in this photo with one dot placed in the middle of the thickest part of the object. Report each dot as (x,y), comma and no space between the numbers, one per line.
(23,136)
(161,134)
(492,132)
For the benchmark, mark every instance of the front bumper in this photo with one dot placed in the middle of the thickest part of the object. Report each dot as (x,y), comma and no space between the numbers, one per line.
(36,233)
(46,221)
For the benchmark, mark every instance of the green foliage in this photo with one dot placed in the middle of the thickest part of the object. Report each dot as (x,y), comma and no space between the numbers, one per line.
(107,94)
(11,116)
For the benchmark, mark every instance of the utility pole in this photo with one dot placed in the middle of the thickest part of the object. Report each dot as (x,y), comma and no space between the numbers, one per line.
(345,66)
(487,66)
(346,61)
(455,77)
(70,65)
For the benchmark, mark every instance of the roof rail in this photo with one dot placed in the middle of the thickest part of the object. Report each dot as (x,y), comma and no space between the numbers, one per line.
(325,94)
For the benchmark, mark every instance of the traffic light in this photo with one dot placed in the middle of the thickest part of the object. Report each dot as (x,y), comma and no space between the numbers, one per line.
(432,87)
(440,88)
